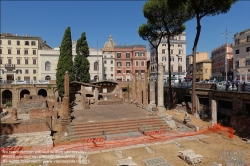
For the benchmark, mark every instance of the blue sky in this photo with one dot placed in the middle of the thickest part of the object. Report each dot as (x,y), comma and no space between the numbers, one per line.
(99,19)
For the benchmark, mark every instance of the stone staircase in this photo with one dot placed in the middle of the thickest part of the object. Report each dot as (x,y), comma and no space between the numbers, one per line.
(83,131)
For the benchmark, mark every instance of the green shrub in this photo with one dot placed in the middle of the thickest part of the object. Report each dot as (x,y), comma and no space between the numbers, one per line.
(9,103)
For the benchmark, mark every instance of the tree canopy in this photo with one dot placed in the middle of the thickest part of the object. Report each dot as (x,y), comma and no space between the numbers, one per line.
(81,63)
(65,62)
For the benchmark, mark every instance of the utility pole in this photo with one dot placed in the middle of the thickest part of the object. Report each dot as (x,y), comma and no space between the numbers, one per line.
(226,36)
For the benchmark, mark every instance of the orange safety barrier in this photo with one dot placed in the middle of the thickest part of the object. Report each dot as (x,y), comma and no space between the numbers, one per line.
(155,132)
(222,130)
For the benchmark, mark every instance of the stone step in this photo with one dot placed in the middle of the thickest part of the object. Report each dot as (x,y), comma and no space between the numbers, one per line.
(146,120)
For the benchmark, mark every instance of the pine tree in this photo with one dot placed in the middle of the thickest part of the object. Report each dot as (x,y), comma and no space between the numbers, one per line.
(81,63)
(65,62)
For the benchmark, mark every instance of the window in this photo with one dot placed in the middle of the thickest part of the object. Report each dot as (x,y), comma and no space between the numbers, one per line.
(179,68)
(18,61)
(18,71)
(163,51)
(180,51)
(179,45)
(127,64)
(142,63)
(105,68)
(164,59)
(136,53)
(34,71)
(34,62)
(18,78)
(0,51)
(1,71)
(237,51)
(96,66)
(237,41)
(142,53)
(142,71)
(171,45)
(237,64)
(47,65)
(163,45)
(1,61)
(247,62)
(172,58)
(18,43)
(18,52)
(34,52)
(118,55)
(9,42)
(206,71)
(26,43)
(34,78)
(111,69)
(1,42)
(179,59)
(9,51)
(136,63)
(171,51)
(127,71)
(111,61)
(172,68)
(248,49)
(47,77)
(9,61)
(33,43)
(127,55)
(119,64)
(136,71)
(26,71)
(111,75)
(105,62)
(119,71)
(248,38)
(26,52)
(26,61)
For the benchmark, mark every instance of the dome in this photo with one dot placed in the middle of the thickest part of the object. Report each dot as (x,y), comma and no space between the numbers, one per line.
(110,42)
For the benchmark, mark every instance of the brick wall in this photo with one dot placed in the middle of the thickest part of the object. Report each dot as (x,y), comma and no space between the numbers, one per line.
(23,127)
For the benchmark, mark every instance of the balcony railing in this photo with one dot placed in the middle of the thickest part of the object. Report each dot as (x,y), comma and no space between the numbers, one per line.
(9,65)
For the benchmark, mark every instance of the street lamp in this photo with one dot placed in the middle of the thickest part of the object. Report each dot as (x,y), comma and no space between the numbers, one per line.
(226,36)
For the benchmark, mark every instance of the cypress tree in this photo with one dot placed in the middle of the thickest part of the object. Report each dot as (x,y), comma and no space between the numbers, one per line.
(81,63)
(65,62)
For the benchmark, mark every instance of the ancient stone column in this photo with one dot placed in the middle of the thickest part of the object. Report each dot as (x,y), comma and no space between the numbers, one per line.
(145,89)
(134,88)
(160,102)
(152,92)
(139,93)
(96,93)
(214,112)
(66,84)
(160,86)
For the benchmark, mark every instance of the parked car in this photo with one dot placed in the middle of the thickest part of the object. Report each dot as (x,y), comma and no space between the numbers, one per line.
(43,82)
(19,82)
(221,85)
(247,88)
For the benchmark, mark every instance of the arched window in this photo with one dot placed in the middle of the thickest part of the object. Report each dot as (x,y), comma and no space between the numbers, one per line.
(47,66)
(47,78)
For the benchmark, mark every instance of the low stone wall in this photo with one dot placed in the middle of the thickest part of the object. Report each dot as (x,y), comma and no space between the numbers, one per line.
(26,127)
(114,102)
(26,106)
(241,124)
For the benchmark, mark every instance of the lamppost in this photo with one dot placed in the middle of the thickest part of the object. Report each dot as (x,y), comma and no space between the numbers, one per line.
(226,36)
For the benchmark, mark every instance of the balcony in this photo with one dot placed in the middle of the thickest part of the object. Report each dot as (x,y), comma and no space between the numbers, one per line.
(10,66)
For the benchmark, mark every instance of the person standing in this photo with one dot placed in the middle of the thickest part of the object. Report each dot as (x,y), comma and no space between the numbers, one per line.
(227,85)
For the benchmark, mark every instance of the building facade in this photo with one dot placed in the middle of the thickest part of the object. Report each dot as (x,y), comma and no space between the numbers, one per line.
(222,63)
(178,57)
(203,70)
(241,54)
(129,60)
(200,56)
(109,59)
(19,57)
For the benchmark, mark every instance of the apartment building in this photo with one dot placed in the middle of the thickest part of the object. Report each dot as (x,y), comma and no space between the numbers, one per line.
(129,60)
(241,54)
(19,57)
(109,59)
(222,62)
(48,60)
(178,57)
(200,56)
(203,70)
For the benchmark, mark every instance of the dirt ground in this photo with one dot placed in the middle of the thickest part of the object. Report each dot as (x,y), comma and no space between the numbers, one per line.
(209,148)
